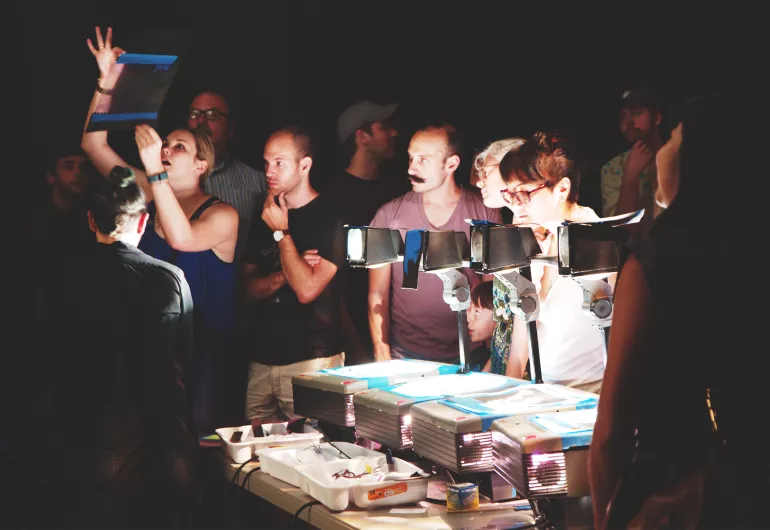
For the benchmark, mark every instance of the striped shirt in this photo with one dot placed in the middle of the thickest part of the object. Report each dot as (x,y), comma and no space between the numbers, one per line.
(242,187)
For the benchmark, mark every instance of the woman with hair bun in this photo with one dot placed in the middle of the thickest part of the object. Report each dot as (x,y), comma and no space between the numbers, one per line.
(541,188)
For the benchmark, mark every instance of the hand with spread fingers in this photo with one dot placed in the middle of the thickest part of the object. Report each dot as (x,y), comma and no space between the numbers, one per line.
(106,55)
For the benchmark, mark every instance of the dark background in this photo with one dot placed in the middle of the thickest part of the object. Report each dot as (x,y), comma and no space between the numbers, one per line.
(494,69)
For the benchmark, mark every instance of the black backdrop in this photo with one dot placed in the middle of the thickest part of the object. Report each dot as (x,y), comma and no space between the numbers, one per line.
(495,69)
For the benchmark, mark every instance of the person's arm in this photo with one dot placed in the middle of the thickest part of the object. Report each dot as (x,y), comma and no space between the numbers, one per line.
(94,143)
(518,355)
(306,280)
(613,431)
(218,226)
(379,311)
(637,160)
(258,286)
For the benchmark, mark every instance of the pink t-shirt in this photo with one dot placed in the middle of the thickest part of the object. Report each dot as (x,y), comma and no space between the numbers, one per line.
(420,320)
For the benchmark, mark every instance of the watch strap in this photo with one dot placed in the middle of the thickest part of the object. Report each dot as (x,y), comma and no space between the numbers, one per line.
(157,178)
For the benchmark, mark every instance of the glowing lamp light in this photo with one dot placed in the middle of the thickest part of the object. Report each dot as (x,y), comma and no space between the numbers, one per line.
(356,244)
(373,247)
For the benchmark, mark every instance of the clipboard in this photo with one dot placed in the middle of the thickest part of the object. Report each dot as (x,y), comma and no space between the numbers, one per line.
(138,93)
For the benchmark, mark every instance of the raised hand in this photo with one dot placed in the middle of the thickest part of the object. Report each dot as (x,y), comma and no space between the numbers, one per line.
(150,144)
(105,54)
(638,159)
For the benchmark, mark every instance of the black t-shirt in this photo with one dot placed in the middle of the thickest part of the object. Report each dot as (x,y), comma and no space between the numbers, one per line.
(279,330)
(358,201)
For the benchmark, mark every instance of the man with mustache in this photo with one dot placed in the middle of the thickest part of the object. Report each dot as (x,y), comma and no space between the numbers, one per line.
(231,180)
(629,180)
(418,324)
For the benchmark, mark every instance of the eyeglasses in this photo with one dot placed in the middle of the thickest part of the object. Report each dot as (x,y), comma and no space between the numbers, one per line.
(520,197)
(208,114)
(484,171)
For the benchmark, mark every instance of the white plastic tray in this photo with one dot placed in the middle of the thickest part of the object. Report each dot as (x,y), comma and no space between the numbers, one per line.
(242,451)
(376,489)
(281,463)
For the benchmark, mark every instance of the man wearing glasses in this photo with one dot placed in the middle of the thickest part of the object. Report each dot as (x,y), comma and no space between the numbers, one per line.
(231,180)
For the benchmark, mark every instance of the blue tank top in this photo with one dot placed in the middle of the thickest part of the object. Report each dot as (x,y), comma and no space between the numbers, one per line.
(211,280)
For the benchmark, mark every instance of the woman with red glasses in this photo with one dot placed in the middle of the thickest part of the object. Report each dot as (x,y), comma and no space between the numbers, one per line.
(542,181)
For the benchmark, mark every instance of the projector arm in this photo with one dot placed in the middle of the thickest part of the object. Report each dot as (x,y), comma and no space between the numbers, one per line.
(456,289)
(525,303)
(458,295)
(597,300)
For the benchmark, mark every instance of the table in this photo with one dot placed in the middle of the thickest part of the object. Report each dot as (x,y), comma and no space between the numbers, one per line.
(290,499)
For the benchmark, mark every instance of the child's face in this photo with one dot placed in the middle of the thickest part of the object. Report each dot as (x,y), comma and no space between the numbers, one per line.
(481,325)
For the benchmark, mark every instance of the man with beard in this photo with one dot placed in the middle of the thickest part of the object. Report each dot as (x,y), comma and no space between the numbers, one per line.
(629,179)
(368,140)
(231,180)
(418,324)
(294,271)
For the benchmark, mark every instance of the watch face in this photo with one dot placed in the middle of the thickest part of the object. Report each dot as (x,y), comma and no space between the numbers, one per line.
(278,235)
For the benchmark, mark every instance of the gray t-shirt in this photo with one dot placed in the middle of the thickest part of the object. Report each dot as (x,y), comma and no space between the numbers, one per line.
(420,320)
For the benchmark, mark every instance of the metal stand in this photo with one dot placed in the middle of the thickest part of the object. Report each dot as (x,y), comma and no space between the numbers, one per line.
(599,304)
(458,295)
(526,308)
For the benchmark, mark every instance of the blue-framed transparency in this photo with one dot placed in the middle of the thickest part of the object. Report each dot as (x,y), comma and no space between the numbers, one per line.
(138,93)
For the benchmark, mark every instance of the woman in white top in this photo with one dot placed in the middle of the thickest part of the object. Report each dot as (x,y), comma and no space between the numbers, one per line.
(542,183)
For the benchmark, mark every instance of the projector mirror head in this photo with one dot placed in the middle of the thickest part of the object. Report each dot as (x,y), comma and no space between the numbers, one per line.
(370,247)
(432,251)
(495,248)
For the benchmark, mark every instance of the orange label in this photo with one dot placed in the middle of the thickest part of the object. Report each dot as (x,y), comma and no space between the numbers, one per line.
(387,491)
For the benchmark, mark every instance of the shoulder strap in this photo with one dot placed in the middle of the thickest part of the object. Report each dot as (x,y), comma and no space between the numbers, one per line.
(202,208)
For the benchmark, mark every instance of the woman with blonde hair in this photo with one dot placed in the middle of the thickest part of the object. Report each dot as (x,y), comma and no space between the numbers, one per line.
(187,227)
(487,167)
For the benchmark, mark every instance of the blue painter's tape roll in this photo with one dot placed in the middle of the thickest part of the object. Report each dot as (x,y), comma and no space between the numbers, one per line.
(130,116)
(142,58)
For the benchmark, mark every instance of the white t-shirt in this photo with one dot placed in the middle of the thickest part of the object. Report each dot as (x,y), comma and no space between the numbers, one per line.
(572,348)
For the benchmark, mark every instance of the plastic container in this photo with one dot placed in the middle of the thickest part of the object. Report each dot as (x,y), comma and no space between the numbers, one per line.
(281,463)
(249,445)
(377,488)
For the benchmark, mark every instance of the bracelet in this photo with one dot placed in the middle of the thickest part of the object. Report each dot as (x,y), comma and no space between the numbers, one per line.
(157,178)
(105,91)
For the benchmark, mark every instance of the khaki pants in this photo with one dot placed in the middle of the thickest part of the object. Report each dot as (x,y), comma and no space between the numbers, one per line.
(595,387)
(270,388)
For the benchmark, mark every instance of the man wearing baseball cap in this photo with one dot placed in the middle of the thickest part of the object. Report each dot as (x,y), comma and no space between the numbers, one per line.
(368,140)
(629,180)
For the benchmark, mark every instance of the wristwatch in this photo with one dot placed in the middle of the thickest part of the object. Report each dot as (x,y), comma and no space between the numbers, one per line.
(280,234)
(157,178)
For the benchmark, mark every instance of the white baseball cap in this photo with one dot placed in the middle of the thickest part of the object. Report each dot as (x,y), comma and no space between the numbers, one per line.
(358,114)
